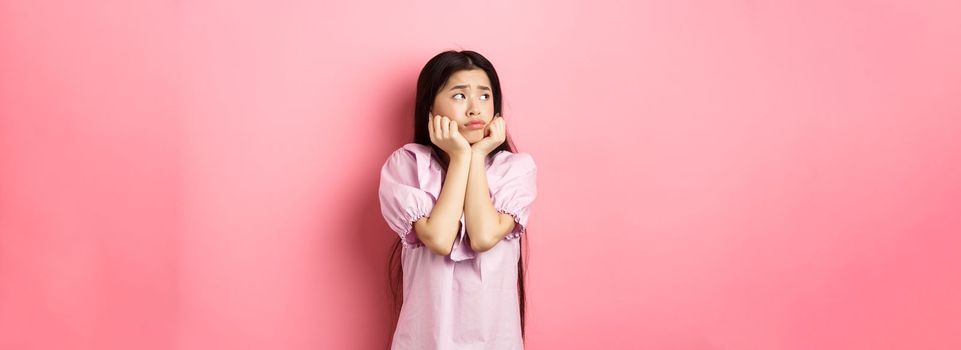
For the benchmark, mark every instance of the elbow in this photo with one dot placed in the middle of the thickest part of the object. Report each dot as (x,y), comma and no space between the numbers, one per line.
(440,244)
(439,248)
(436,245)
(481,245)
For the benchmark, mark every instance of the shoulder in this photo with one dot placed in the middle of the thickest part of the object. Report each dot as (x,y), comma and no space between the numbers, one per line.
(508,167)
(400,159)
(514,161)
(409,153)
(416,148)
(411,163)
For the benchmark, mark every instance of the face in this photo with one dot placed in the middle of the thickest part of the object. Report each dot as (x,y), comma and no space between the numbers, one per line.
(466,97)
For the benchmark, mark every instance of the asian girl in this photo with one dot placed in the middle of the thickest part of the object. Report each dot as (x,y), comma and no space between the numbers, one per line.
(459,198)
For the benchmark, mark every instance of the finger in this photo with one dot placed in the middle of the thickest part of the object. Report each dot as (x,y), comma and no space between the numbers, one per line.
(454,130)
(438,132)
(445,125)
(430,126)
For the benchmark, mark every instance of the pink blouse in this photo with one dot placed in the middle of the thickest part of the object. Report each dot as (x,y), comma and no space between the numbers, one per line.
(465,300)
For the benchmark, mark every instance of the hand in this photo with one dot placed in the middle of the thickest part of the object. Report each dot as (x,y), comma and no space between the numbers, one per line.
(445,134)
(494,136)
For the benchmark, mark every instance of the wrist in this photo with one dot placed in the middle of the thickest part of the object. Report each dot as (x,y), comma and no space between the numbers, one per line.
(478,156)
(478,152)
(461,156)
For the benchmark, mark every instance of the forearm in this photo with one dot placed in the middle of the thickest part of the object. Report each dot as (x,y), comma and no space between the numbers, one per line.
(480,216)
(441,227)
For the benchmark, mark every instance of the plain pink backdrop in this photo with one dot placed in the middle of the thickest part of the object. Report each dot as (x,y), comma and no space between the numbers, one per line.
(712,174)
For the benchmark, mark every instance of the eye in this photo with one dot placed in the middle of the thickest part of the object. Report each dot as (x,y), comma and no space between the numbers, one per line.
(486,97)
(458,94)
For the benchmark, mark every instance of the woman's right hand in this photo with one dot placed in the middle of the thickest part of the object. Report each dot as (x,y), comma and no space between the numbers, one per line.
(445,134)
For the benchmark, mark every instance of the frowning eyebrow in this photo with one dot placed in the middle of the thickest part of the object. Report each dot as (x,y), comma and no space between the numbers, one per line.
(463,86)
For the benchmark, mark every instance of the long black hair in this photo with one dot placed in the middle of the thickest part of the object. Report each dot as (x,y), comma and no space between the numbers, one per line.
(432,77)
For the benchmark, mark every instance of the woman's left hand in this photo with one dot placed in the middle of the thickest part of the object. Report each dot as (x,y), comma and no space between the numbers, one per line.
(494,136)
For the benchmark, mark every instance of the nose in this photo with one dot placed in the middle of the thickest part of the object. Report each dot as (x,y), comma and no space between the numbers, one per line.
(472,109)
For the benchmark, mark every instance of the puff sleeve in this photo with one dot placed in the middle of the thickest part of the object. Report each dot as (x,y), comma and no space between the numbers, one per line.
(515,190)
(402,202)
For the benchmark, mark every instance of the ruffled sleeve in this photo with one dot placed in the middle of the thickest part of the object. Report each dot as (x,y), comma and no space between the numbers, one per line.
(514,190)
(402,202)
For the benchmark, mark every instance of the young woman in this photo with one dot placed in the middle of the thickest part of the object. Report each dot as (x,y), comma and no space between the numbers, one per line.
(459,198)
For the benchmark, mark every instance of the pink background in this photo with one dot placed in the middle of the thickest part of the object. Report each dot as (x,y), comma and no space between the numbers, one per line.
(713,175)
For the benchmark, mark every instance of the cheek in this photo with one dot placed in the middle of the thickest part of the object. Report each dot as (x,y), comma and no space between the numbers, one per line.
(444,108)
